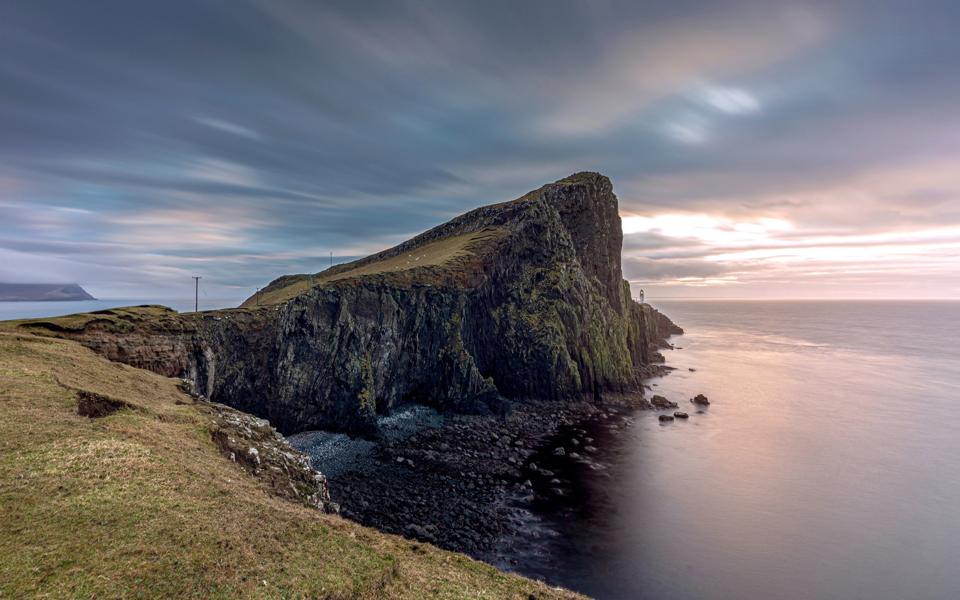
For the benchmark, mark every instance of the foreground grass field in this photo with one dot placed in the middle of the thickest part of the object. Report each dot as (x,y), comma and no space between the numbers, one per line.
(141,504)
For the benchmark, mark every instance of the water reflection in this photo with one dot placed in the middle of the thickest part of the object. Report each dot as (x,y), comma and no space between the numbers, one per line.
(826,467)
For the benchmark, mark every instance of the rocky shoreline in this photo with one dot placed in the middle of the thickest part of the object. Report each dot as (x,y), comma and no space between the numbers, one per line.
(495,487)
(469,483)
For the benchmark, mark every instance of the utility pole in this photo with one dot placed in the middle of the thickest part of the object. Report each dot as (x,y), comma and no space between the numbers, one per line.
(196,293)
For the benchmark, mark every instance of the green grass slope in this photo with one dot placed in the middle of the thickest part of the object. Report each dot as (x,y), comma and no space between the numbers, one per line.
(451,253)
(141,504)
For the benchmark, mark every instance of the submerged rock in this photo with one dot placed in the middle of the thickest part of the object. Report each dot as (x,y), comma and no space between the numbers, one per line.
(700,400)
(681,415)
(661,402)
(665,418)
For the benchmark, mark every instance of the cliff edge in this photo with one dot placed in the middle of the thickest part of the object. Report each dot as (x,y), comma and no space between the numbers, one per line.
(522,300)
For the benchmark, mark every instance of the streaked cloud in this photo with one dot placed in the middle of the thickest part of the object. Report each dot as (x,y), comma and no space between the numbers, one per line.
(227,127)
(689,129)
(758,148)
(642,67)
(862,230)
(731,100)
(706,228)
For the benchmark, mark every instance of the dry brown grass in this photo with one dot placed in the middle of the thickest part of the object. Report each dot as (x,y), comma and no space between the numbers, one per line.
(140,504)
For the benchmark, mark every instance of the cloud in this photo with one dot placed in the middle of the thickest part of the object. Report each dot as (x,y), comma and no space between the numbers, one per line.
(856,235)
(177,139)
(645,66)
(221,171)
(645,270)
(706,228)
(229,127)
(184,228)
(689,129)
(734,101)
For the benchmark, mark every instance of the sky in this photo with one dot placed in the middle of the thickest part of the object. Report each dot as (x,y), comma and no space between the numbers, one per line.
(759,149)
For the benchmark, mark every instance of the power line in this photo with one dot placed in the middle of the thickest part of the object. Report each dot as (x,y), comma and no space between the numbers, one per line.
(196,293)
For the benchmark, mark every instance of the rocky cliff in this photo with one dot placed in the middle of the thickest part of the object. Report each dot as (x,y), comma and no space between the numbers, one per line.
(522,300)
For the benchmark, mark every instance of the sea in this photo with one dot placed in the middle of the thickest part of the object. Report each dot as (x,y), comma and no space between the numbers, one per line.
(827,465)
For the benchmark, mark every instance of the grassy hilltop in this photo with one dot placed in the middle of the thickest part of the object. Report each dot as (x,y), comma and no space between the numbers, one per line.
(424,260)
(142,504)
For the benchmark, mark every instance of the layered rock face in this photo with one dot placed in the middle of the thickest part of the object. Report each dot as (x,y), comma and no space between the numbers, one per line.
(510,302)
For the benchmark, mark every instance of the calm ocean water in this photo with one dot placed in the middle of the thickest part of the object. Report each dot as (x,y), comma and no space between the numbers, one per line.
(828,466)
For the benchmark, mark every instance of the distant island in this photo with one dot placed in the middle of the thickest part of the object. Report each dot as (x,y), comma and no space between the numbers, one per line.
(33,292)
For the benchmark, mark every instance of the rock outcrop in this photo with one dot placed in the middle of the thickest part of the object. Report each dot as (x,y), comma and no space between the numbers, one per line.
(518,301)
(262,451)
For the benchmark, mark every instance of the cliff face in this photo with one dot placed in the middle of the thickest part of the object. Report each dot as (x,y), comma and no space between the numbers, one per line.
(514,301)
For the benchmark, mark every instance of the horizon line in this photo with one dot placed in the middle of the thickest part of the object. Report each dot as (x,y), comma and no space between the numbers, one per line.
(896,299)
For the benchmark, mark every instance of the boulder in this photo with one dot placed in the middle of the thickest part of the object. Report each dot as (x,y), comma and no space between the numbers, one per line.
(661,402)
(700,400)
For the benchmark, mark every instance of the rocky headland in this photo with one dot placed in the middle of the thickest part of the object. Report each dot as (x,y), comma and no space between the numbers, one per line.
(509,325)
(507,304)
